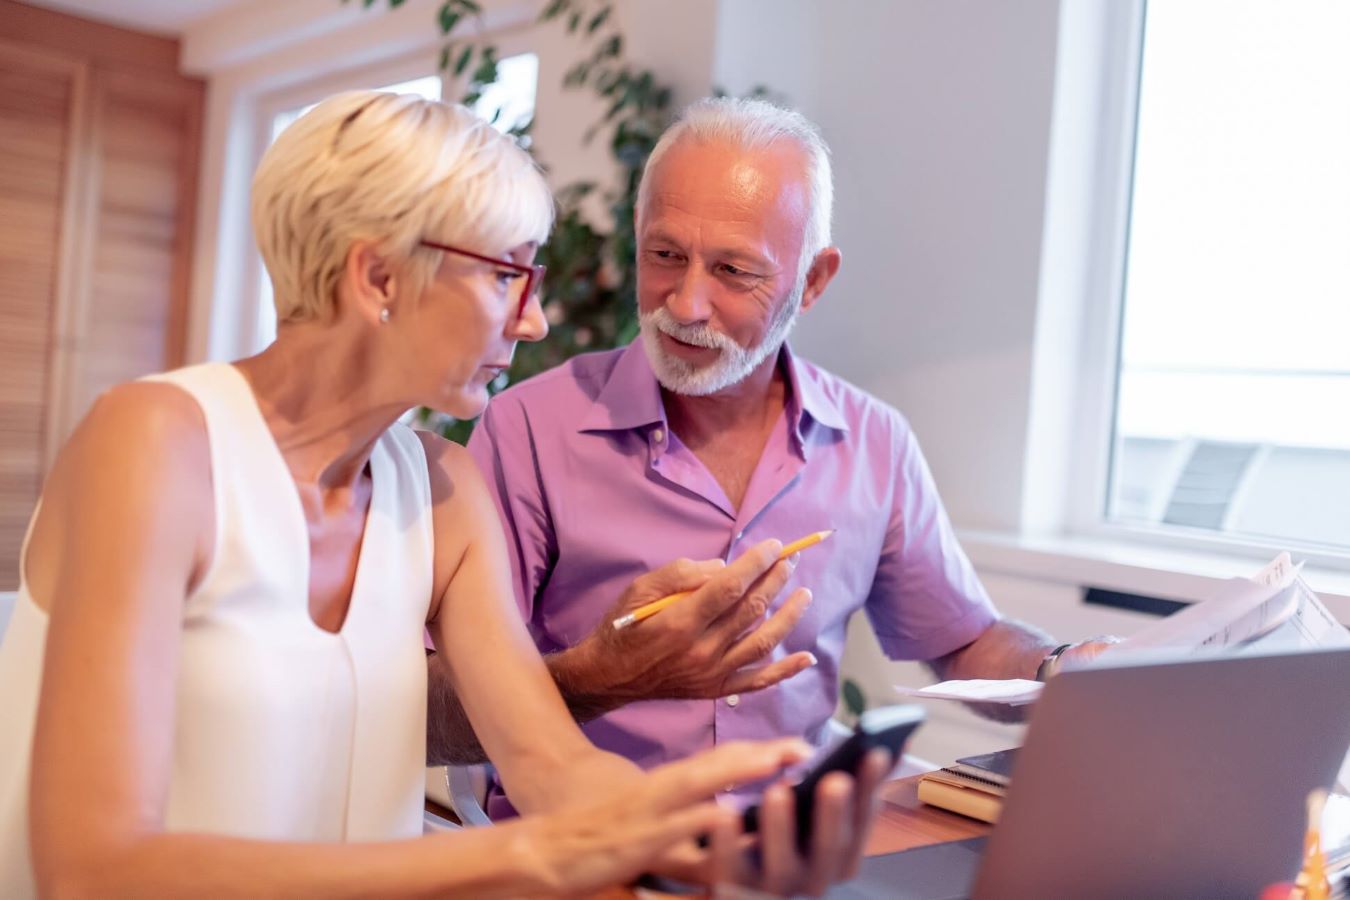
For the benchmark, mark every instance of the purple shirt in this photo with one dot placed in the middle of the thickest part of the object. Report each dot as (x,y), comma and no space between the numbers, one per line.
(594,490)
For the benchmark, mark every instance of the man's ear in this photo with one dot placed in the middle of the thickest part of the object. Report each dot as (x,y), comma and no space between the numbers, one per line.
(823,269)
(368,281)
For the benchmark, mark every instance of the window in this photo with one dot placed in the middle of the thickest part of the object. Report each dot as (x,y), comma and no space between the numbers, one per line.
(507,103)
(1232,413)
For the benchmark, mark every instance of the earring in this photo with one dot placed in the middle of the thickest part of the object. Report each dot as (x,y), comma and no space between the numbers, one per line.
(384,314)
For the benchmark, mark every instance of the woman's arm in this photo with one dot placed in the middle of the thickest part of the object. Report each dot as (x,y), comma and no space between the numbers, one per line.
(126,516)
(493,668)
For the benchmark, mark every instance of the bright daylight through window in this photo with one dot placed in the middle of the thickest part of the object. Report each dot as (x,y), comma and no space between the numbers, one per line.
(1233,407)
(508,102)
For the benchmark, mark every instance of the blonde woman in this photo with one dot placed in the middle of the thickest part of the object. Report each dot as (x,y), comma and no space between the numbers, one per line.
(214,682)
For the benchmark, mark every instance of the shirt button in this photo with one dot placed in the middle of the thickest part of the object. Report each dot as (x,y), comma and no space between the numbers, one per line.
(658,435)
(734,700)
(740,535)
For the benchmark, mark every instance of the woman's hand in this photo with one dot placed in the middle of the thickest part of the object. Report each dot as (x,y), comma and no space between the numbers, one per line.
(597,774)
(627,829)
(843,813)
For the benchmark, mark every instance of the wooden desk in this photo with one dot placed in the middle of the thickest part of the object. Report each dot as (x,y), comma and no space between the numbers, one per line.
(904,823)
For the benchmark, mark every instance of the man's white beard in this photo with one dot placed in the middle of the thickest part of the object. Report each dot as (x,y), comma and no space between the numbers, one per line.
(734,362)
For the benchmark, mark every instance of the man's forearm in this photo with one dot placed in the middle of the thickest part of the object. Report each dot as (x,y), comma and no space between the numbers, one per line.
(450,736)
(1007,649)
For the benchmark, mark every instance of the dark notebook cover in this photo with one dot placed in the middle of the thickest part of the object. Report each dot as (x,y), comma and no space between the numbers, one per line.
(1000,762)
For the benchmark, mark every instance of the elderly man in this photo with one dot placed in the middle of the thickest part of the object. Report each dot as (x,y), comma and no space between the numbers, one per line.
(708,436)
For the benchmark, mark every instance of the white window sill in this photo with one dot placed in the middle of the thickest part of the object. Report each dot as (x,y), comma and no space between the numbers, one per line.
(1119,565)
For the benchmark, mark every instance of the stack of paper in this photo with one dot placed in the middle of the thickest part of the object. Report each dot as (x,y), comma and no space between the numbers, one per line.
(1013,691)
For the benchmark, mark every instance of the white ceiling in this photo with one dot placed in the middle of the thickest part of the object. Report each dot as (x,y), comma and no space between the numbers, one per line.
(159,16)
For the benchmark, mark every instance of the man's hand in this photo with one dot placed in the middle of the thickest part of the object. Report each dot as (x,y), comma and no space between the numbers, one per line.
(703,646)
(1081,655)
(1011,649)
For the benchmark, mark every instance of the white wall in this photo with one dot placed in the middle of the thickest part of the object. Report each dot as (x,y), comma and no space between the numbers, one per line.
(938,115)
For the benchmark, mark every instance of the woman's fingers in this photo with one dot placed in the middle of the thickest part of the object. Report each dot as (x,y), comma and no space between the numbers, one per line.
(832,831)
(701,776)
(779,860)
(728,864)
(875,767)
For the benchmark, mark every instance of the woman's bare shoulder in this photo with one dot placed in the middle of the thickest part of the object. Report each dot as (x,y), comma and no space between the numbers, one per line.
(140,423)
(451,467)
(139,459)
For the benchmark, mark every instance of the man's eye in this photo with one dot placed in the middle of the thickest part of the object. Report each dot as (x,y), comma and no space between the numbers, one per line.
(736,271)
(665,255)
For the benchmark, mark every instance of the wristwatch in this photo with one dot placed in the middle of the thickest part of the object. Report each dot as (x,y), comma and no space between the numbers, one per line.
(1050,665)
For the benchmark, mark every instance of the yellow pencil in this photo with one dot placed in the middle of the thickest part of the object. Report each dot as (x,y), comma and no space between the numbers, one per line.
(651,609)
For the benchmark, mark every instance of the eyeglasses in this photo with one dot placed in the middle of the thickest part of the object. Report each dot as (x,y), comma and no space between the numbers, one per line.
(534,275)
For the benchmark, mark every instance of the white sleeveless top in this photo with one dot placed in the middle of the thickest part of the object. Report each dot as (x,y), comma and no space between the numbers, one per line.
(283,730)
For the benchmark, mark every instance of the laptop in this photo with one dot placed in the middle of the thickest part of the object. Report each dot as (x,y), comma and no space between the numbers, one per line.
(1160,778)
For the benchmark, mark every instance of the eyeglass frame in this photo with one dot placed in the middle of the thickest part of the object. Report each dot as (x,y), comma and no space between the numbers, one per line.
(534,273)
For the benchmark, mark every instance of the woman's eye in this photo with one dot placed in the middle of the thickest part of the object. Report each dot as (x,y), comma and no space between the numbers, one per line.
(505,277)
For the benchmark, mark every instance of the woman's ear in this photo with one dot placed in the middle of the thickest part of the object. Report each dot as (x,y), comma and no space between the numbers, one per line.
(368,282)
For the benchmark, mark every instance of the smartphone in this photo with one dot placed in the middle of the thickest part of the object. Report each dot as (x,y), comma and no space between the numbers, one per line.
(888,727)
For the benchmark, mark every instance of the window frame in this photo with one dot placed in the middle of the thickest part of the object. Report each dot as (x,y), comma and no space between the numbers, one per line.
(1108,247)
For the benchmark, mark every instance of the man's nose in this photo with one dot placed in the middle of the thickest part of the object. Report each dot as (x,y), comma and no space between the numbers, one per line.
(690,300)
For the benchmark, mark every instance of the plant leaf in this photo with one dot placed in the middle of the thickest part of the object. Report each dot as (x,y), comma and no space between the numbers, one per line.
(448,19)
(854,701)
(486,73)
(463,62)
(598,19)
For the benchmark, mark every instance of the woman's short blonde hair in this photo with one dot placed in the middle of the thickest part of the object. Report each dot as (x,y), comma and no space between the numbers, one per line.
(394,169)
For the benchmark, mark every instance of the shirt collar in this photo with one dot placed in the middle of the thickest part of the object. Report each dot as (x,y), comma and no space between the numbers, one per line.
(807,397)
(631,396)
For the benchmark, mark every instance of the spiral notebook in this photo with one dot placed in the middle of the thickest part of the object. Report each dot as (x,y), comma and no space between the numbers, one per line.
(995,768)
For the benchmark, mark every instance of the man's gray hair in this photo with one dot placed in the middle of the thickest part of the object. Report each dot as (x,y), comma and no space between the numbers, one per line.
(754,125)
